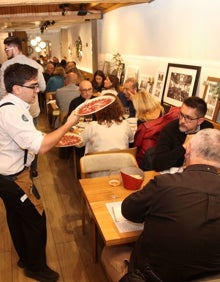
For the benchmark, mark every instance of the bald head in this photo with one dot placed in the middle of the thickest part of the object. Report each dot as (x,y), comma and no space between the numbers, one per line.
(71,78)
(85,88)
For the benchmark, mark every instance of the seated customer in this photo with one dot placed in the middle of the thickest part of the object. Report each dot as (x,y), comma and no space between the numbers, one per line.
(98,81)
(151,121)
(109,132)
(86,93)
(171,144)
(57,80)
(85,90)
(111,85)
(146,106)
(130,89)
(67,93)
(181,215)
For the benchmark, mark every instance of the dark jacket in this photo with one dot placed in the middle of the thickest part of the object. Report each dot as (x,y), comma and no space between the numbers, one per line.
(169,151)
(181,215)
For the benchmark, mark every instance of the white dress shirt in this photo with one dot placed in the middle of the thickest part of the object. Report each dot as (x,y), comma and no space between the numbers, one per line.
(17,133)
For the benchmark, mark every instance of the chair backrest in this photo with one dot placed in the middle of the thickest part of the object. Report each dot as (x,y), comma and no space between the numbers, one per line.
(48,97)
(62,117)
(132,151)
(104,163)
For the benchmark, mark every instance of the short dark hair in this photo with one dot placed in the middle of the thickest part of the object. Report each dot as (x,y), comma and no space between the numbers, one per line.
(18,74)
(196,103)
(13,40)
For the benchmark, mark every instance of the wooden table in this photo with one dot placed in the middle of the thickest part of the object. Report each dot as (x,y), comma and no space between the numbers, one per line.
(96,192)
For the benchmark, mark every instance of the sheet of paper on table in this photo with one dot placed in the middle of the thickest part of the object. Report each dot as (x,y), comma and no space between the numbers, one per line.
(122,223)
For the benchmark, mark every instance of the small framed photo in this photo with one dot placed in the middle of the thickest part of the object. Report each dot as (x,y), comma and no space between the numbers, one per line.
(158,86)
(211,96)
(180,83)
(143,82)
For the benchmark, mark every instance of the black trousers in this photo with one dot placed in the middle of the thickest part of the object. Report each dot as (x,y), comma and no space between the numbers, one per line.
(27,227)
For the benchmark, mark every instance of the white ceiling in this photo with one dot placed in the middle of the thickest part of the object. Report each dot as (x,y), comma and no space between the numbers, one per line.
(18,15)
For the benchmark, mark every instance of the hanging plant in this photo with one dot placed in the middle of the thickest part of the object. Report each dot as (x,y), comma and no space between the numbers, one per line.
(78,44)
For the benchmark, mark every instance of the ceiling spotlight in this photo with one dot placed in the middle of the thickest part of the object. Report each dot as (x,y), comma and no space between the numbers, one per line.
(64,8)
(82,10)
(45,25)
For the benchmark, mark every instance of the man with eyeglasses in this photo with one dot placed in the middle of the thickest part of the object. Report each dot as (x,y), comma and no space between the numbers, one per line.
(13,50)
(19,141)
(130,89)
(173,139)
(86,92)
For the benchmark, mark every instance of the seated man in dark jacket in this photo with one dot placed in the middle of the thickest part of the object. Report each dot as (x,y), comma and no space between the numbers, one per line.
(171,145)
(181,215)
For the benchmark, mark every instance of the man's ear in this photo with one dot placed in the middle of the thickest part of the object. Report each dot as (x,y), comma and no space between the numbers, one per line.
(200,120)
(16,89)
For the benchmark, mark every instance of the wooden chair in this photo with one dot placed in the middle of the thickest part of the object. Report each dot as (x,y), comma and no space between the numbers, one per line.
(62,117)
(105,163)
(52,110)
(132,151)
(48,97)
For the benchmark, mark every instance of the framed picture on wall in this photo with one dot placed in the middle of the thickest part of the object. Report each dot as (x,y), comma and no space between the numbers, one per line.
(211,96)
(158,86)
(181,82)
(143,82)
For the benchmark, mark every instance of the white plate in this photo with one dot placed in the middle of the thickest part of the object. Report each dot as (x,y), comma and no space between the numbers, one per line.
(69,139)
(94,105)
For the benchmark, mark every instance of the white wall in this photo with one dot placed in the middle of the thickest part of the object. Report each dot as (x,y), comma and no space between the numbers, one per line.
(184,28)
(85,33)
(165,31)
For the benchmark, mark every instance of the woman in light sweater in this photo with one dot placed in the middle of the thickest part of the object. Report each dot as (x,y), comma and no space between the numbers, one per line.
(109,132)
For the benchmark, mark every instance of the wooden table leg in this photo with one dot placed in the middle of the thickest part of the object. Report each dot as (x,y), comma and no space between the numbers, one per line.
(83,205)
(94,241)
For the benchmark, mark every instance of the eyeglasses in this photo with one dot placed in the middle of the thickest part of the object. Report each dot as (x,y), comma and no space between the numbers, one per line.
(9,48)
(86,90)
(187,118)
(33,87)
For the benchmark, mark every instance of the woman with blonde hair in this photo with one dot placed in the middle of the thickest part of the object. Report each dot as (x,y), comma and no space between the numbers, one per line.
(151,120)
(146,106)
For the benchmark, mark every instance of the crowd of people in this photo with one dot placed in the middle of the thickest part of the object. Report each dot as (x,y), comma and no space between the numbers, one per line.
(179,241)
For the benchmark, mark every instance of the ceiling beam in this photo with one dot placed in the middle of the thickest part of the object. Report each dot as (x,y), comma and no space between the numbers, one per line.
(71,16)
(40,2)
